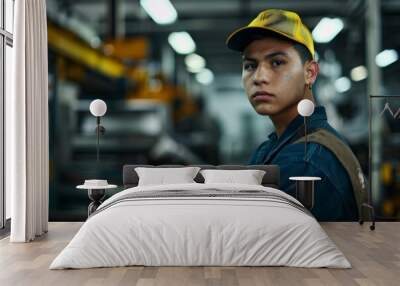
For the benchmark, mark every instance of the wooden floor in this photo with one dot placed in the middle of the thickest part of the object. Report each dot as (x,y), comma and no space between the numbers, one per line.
(374,255)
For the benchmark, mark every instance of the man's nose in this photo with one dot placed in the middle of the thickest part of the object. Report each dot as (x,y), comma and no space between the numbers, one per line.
(260,75)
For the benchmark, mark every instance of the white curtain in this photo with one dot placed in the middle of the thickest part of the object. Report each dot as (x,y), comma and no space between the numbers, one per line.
(27,124)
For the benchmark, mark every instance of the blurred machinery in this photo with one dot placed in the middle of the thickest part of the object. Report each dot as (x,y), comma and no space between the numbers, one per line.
(145,112)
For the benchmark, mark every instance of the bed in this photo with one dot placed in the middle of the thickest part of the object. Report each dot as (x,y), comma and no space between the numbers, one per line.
(201,224)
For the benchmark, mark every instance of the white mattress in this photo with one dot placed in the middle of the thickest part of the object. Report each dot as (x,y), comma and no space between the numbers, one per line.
(200,231)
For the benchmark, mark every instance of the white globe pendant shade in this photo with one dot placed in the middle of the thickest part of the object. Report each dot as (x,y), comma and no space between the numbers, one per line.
(305,107)
(98,107)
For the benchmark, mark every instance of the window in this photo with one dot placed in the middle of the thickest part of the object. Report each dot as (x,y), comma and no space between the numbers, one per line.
(6,64)
(9,15)
(9,63)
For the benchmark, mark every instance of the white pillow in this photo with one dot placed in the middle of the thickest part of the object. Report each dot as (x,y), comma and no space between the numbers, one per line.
(162,176)
(249,177)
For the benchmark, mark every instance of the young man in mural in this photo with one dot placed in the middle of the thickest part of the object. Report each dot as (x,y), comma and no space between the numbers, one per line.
(278,71)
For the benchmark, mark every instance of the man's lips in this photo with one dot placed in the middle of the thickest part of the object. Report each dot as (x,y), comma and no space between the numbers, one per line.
(262,96)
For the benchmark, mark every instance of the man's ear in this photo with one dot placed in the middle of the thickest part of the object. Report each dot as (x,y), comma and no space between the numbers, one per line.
(311,70)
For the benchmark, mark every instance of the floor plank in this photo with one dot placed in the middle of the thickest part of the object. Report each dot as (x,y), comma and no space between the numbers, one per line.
(374,255)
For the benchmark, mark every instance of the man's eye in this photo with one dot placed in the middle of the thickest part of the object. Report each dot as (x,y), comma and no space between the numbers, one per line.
(276,63)
(249,66)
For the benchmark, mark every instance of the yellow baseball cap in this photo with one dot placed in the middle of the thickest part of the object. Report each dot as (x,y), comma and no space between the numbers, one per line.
(283,22)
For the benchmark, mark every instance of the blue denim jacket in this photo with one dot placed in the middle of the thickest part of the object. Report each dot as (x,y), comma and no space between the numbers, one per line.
(334,198)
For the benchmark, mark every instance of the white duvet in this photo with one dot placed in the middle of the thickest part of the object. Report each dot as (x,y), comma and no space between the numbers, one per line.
(200,231)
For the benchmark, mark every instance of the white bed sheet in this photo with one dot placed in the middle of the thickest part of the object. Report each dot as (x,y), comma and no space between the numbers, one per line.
(200,231)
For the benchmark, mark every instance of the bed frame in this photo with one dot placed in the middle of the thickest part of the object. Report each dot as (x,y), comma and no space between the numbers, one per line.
(270,179)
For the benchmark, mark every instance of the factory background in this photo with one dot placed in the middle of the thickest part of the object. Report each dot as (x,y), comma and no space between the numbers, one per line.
(174,95)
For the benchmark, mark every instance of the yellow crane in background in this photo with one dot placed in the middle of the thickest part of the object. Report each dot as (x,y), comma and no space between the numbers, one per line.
(75,57)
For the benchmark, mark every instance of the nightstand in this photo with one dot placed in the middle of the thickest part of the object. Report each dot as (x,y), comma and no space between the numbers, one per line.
(305,190)
(96,194)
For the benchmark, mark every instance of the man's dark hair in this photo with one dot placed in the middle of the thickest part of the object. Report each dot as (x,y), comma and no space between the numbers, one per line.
(303,52)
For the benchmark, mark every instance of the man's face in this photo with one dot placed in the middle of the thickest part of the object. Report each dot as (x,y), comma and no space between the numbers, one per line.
(272,75)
